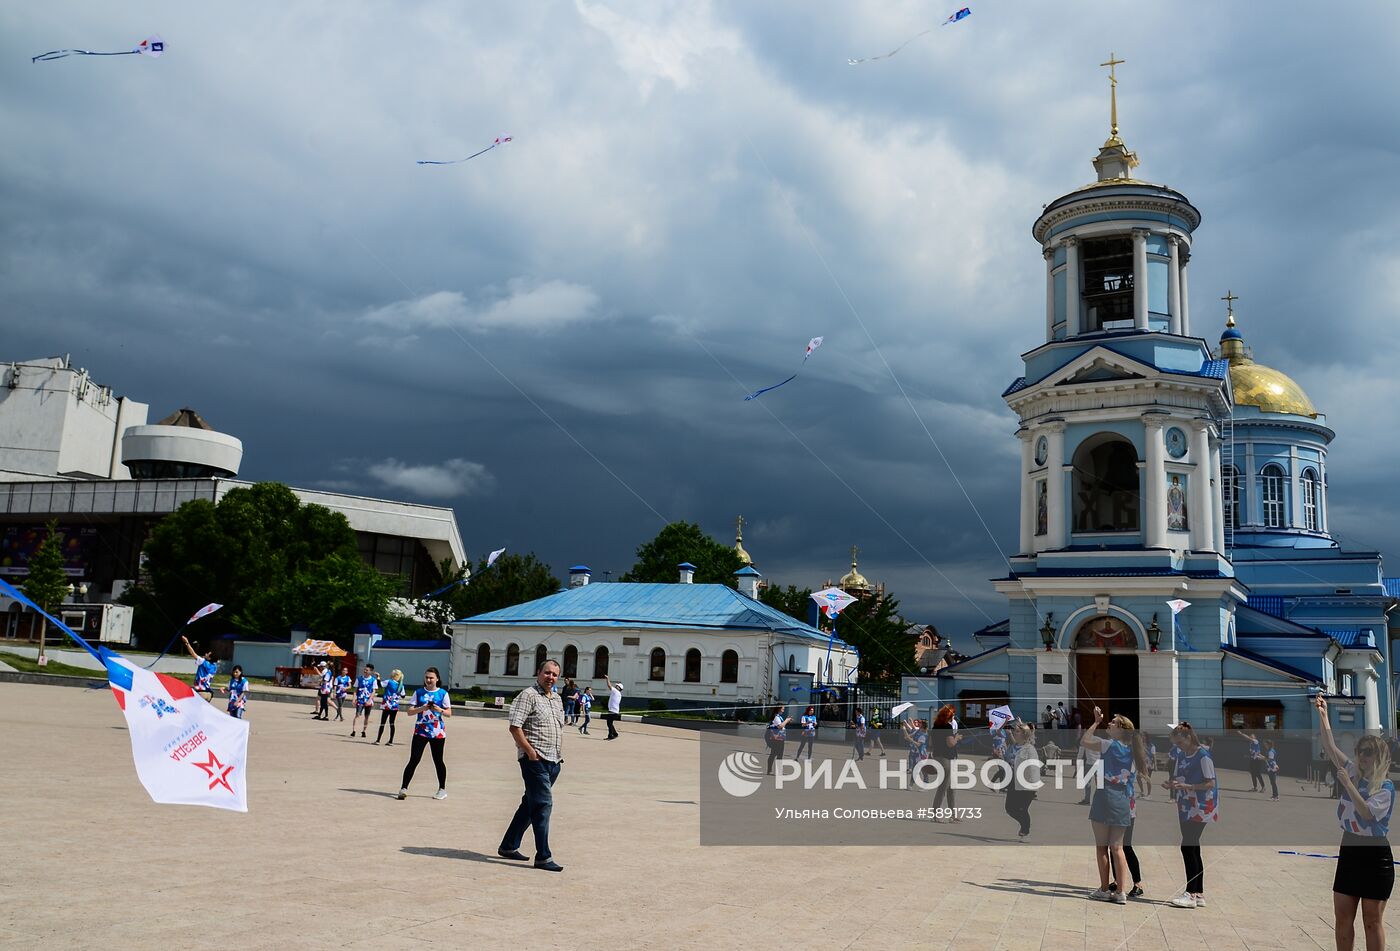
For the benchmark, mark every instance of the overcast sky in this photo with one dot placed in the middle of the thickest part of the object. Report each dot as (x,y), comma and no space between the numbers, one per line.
(555,338)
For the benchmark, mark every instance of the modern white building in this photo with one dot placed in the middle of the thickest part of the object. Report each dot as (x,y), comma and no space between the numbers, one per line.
(73,451)
(696,644)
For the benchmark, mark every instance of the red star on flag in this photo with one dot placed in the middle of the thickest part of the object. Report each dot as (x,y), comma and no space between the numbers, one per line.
(212,766)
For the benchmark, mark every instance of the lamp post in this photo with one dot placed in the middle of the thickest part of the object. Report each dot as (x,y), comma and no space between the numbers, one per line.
(1154,635)
(1047,631)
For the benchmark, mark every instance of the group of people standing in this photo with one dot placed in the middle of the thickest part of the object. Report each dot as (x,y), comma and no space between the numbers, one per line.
(337,684)
(205,668)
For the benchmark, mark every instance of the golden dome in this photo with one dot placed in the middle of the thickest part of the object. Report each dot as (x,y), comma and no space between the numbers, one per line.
(1257,385)
(853,579)
(739,542)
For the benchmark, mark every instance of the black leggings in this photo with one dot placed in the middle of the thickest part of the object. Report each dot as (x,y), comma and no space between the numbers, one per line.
(385,716)
(416,753)
(805,742)
(1273,777)
(1191,857)
(775,752)
(1130,856)
(1018,807)
(945,785)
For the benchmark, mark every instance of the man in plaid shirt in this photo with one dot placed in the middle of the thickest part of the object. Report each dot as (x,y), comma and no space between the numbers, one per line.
(537,726)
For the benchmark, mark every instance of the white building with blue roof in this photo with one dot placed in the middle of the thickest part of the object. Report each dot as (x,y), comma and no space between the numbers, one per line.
(1154,470)
(685,643)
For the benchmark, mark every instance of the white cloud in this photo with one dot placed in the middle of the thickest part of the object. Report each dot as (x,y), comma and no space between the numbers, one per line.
(652,51)
(521,305)
(439,480)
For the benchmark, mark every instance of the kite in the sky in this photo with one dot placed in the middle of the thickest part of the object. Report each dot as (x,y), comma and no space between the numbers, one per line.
(151,46)
(500,140)
(812,345)
(962,14)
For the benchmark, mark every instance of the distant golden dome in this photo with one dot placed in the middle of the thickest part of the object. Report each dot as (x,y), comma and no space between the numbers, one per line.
(739,542)
(1254,384)
(853,580)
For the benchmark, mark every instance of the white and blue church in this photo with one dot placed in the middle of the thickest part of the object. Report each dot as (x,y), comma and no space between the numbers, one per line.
(1156,472)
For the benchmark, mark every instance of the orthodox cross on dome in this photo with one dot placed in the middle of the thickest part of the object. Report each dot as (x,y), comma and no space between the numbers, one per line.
(1229,300)
(854,552)
(739,541)
(739,528)
(1112,64)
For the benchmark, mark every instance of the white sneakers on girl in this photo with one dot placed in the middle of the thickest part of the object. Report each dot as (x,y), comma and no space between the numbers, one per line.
(1184,901)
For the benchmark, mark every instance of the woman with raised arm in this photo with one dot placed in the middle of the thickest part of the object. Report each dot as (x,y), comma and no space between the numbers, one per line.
(1365,866)
(204,672)
(1256,762)
(1197,806)
(1111,810)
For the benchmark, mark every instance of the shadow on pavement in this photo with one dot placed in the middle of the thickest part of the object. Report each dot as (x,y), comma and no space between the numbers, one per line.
(469,856)
(371,792)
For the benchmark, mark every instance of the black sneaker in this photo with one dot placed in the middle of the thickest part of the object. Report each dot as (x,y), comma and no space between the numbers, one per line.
(1136,892)
(513,854)
(549,865)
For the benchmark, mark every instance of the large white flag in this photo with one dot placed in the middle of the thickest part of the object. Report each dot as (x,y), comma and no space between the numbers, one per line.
(186,751)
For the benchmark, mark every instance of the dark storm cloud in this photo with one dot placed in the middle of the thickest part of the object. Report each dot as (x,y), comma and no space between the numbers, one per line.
(694,190)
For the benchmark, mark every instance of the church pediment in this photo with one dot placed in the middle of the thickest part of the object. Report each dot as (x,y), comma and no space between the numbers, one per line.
(1100,365)
(1098,372)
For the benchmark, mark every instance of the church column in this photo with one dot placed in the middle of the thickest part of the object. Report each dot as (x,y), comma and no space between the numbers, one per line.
(1027,492)
(1183,295)
(1295,490)
(1322,493)
(1202,513)
(1155,529)
(1370,689)
(1139,279)
(1055,485)
(1049,294)
(1216,495)
(1174,284)
(1071,287)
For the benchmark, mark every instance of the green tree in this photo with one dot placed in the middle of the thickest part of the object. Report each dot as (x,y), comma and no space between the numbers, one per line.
(47,582)
(678,542)
(792,601)
(873,626)
(513,579)
(270,560)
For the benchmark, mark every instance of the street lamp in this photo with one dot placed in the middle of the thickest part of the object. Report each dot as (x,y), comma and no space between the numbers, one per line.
(1047,631)
(1154,635)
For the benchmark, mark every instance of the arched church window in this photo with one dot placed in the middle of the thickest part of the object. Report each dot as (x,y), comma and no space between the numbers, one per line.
(729,667)
(1108,283)
(1230,492)
(1106,489)
(792,662)
(483,658)
(1310,521)
(1271,494)
(541,655)
(692,666)
(658,664)
(571,661)
(600,662)
(513,660)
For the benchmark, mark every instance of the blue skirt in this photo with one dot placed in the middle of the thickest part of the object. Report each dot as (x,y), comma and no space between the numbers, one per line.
(1110,806)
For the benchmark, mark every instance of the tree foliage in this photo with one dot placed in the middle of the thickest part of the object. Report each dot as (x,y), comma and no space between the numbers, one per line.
(273,563)
(678,542)
(47,583)
(792,601)
(513,579)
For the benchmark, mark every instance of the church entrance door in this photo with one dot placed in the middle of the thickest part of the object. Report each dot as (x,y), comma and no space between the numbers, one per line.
(1107,680)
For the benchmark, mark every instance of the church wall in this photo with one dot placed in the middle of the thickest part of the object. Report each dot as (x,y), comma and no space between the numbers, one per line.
(1199,680)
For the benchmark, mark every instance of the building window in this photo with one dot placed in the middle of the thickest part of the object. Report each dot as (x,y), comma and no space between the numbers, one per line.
(1106,494)
(792,662)
(1107,287)
(571,661)
(541,655)
(729,667)
(658,664)
(692,666)
(600,663)
(1310,500)
(483,658)
(1231,494)
(513,660)
(1271,492)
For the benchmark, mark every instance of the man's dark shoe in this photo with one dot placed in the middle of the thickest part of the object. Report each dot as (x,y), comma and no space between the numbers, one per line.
(514,855)
(549,866)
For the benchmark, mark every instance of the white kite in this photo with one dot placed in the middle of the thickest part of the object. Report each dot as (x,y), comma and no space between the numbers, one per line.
(500,141)
(832,601)
(899,708)
(812,345)
(152,46)
(1178,606)
(491,558)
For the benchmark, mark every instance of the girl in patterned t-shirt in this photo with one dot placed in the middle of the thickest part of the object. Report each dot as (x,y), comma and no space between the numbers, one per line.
(1197,806)
(237,691)
(432,704)
(389,709)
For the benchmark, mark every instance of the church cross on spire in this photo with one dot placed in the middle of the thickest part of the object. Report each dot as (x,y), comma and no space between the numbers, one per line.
(1112,64)
(1229,300)
(854,551)
(739,528)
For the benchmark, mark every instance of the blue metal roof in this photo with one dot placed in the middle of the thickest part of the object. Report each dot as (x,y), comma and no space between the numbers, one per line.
(1018,384)
(686,564)
(1112,573)
(649,604)
(1266,604)
(1215,369)
(1392,586)
(998,629)
(577,568)
(951,669)
(433,644)
(1351,636)
(748,571)
(1270,662)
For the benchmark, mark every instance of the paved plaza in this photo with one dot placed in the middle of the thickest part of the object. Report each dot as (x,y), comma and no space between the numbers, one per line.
(327,858)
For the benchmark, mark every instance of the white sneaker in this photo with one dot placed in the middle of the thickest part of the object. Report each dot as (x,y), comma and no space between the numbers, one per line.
(440,794)
(1183,901)
(403,793)
(1101,894)
(1200,901)
(1119,898)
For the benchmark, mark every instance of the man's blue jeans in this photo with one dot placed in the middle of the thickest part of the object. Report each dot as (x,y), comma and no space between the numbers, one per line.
(534,808)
